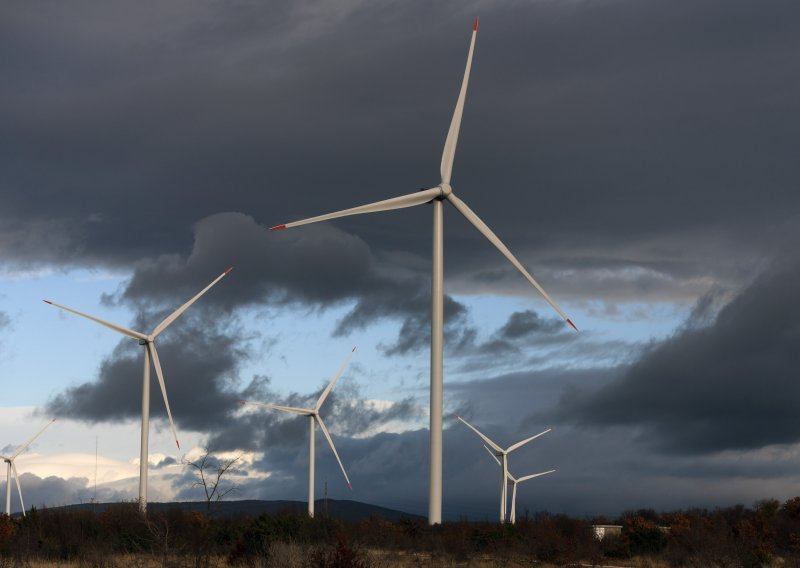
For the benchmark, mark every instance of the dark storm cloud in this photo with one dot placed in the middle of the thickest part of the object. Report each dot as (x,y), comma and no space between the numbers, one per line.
(200,364)
(390,468)
(314,267)
(729,385)
(522,324)
(50,491)
(516,333)
(125,124)
(5,325)
(345,412)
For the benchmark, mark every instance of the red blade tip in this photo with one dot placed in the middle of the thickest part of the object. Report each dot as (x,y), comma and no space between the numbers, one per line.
(177,443)
(353,349)
(277,227)
(350,485)
(242,402)
(569,321)
(475,27)
(47,302)
(228,270)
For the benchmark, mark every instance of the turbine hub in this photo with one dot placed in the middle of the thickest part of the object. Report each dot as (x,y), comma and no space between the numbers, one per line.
(446,189)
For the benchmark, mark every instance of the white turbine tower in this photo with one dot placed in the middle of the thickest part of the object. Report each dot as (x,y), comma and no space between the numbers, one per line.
(503,453)
(436,195)
(150,352)
(314,417)
(11,469)
(515,481)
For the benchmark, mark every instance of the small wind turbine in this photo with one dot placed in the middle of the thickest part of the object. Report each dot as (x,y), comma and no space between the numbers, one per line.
(436,195)
(11,468)
(150,352)
(515,481)
(313,414)
(503,453)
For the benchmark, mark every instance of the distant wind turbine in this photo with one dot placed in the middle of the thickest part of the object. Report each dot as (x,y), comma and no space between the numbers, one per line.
(313,414)
(11,468)
(503,453)
(515,481)
(150,352)
(436,195)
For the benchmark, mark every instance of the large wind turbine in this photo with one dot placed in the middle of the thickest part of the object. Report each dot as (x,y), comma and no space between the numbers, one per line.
(503,453)
(11,468)
(150,352)
(436,195)
(314,417)
(515,481)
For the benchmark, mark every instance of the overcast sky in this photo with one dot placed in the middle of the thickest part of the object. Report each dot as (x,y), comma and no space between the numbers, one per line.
(638,156)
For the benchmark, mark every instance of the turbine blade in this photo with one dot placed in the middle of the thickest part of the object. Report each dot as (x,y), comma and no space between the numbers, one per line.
(292,409)
(485,439)
(514,505)
(24,446)
(525,441)
(527,477)
(160,374)
(484,229)
(328,436)
(491,453)
(19,489)
(174,315)
(115,327)
(449,153)
(327,390)
(409,200)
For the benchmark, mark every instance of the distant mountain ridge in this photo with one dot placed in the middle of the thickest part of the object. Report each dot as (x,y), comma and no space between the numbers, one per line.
(345,510)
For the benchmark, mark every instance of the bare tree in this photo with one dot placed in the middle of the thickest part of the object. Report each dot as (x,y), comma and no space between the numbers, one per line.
(212,475)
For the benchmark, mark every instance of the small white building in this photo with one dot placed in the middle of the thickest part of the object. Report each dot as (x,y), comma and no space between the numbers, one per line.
(602,531)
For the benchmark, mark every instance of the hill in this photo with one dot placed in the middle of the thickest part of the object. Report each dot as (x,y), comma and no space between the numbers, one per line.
(345,510)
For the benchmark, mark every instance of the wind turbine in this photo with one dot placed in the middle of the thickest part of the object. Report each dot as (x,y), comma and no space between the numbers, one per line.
(150,352)
(314,417)
(515,481)
(11,468)
(503,453)
(436,195)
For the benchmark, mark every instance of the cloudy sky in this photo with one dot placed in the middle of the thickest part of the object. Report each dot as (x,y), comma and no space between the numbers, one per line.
(638,156)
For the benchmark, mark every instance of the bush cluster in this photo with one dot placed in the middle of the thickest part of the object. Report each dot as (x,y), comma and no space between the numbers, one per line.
(766,534)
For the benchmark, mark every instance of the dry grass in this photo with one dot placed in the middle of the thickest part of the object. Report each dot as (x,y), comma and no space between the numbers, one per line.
(122,561)
(285,555)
